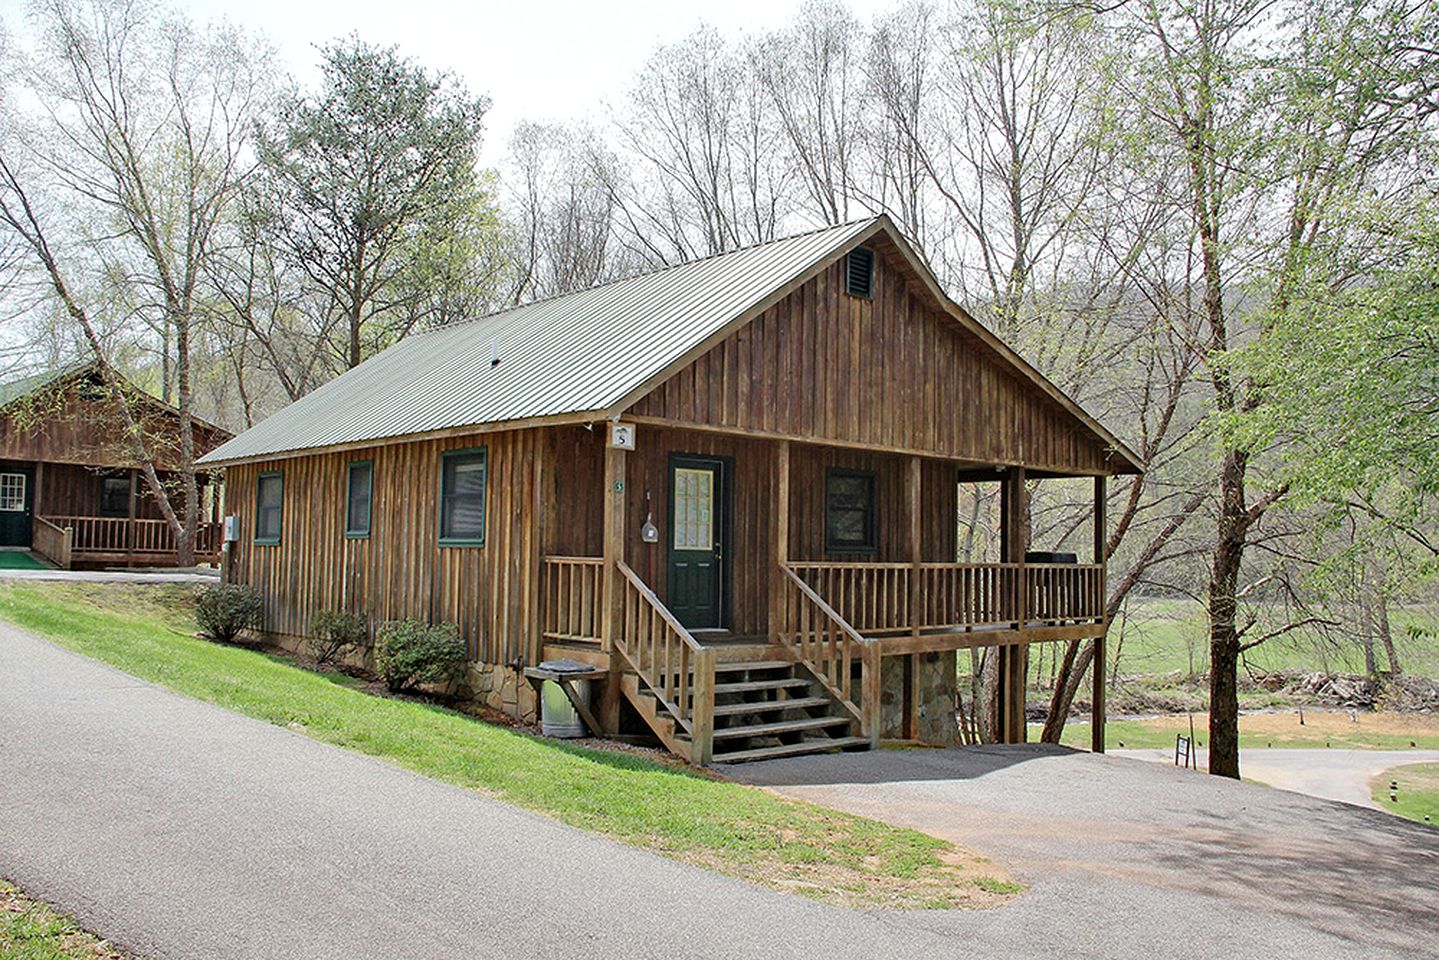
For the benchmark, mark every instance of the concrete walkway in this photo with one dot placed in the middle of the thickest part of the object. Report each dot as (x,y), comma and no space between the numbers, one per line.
(178,575)
(180,830)
(1329,774)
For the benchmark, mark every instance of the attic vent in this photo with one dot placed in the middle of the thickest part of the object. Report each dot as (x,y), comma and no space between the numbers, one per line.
(859,273)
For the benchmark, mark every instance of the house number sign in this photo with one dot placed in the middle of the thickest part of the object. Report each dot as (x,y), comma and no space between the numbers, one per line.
(622,436)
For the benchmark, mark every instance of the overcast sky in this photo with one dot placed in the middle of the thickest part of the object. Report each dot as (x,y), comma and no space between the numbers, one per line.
(535,59)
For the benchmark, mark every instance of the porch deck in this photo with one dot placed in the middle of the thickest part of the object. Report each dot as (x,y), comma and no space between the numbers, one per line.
(118,541)
(818,668)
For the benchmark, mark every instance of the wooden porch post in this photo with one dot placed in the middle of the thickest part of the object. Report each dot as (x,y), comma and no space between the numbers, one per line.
(1099,668)
(779,515)
(130,513)
(613,499)
(913,495)
(1014,659)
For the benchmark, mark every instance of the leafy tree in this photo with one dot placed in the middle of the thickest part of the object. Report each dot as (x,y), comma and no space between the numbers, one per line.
(371,194)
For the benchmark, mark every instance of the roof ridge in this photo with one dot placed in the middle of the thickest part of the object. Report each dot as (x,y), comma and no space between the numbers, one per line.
(647,273)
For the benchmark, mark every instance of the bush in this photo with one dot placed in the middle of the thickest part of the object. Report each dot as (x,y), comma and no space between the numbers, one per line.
(336,634)
(223,610)
(409,652)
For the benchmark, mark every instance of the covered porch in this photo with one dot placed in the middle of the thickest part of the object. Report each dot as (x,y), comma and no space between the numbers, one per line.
(752,597)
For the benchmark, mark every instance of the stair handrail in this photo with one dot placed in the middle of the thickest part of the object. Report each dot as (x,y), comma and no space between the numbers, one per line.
(828,668)
(686,686)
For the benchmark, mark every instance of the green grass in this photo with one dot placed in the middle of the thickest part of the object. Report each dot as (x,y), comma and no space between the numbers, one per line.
(739,830)
(1321,729)
(1418,793)
(32,931)
(1170,636)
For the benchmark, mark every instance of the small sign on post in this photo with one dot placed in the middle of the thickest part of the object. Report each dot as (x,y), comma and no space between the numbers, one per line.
(1184,752)
(622,436)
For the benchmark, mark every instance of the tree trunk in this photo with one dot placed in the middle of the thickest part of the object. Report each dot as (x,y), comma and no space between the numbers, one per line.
(1386,637)
(1223,629)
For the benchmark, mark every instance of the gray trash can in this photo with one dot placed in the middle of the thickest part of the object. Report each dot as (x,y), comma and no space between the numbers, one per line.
(558,717)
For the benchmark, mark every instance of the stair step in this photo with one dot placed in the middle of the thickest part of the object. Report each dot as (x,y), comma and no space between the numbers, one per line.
(763,706)
(780,726)
(815,745)
(738,665)
(750,686)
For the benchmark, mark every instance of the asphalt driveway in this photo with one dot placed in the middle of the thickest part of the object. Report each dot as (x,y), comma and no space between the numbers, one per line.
(1183,863)
(180,830)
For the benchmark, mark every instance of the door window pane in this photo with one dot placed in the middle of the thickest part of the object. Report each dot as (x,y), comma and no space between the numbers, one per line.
(12,492)
(694,509)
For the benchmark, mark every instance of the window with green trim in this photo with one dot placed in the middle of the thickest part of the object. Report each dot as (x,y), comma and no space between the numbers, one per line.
(849,520)
(269,506)
(358,497)
(462,497)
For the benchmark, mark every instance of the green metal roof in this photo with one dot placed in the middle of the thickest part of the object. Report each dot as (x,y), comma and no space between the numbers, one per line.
(583,354)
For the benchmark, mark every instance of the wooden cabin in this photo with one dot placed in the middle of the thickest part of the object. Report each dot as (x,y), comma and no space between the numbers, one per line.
(730,487)
(70,487)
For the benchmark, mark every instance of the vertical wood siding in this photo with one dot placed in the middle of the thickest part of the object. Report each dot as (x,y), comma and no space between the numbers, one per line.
(400,571)
(893,371)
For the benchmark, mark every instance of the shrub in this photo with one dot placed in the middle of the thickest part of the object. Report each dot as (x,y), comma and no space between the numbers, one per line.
(409,652)
(336,634)
(223,610)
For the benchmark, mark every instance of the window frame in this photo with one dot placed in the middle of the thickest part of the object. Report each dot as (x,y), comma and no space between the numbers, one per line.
(129,491)
(871,544)
(264,541)
(355,533)
(483,453)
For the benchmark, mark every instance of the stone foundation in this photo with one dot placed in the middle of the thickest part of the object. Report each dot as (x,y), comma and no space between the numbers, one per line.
(935,692)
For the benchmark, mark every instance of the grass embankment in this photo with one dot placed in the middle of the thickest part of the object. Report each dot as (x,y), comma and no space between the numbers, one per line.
(1418,793)
(729,827)
(30,930)
(1336,729)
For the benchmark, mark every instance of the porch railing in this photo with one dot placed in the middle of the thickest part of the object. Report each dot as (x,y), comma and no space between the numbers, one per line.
(668,661)
(830,646)
(123,535)
(574,599)
(52,542)
(876,598)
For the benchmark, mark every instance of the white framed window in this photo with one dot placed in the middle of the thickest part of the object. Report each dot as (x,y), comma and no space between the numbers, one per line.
(12,492)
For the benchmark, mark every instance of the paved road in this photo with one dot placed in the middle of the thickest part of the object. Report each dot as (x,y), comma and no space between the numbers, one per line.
(183,831)
(1328,774)
(1187,864)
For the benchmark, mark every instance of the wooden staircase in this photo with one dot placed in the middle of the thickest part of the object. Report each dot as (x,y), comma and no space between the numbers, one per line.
(763,708)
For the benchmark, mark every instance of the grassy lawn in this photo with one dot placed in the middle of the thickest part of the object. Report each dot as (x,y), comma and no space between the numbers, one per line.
(735,829)
(1321,728)
(1418,791)
(30,930)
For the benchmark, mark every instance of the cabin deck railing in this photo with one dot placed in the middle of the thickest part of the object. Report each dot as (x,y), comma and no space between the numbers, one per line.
(52,542)
(675,668)
(823,640)
(132,537)
(574,596)
(878,599)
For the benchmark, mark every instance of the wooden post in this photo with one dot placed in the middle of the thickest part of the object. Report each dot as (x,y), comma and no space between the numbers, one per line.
(613,499)
(913,497)
(1014,660)
(130,513)
(779,515)
(1099,666)
(703,717)
(870,692)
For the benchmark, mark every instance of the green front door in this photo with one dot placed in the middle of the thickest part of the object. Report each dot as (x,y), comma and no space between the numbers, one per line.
(696,541)
(17,501)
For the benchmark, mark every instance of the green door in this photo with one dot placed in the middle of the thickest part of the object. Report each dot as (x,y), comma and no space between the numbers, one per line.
(17,500)
(697,536)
